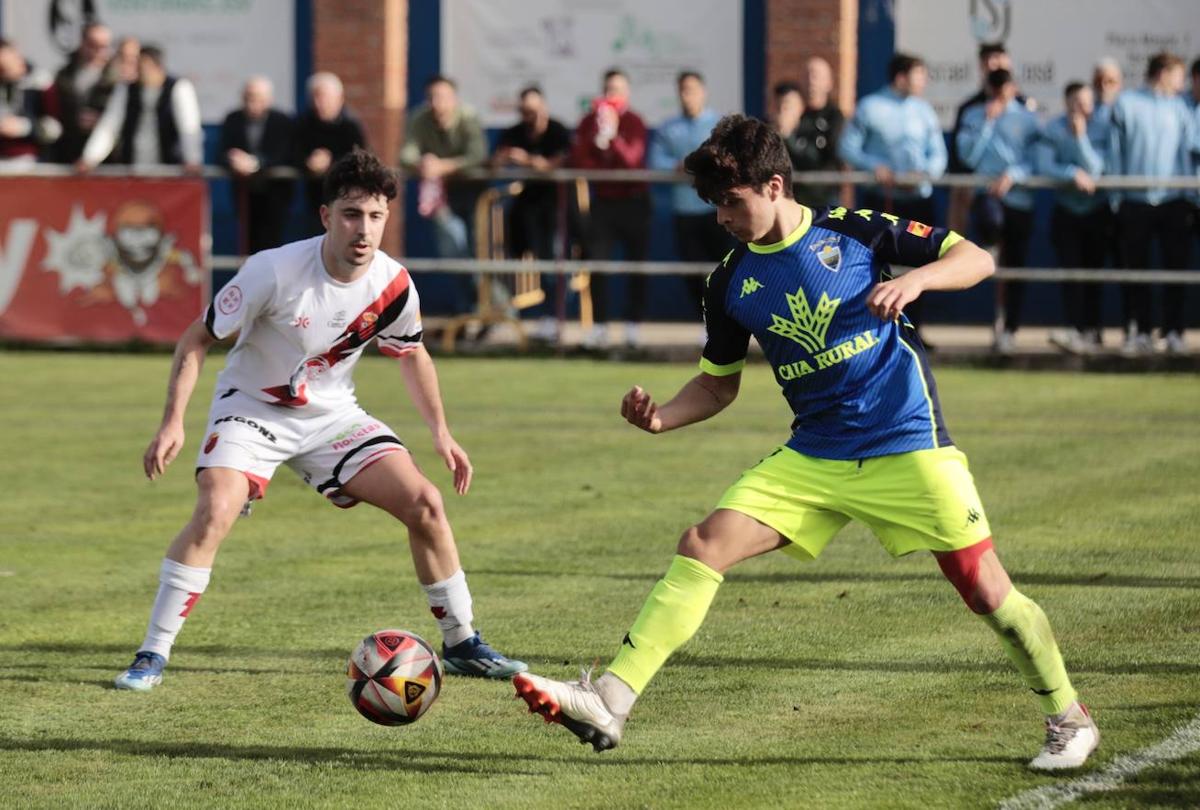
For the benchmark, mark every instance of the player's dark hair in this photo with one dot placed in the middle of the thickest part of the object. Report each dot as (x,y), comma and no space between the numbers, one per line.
(611,72)
(530,88)
(997,79)
(901,64)
(740,151)
(684,75)
(1160,62)
(358,170)
(6,43)
(1196,68)
(153,53)
(1072,88)
(990,49)
(781,89)
(439,78)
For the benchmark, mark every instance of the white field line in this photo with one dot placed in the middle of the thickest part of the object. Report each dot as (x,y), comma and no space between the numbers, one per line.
(1185,741)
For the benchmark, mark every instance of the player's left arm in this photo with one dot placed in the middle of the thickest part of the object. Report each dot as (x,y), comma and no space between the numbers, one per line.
(960,265)
(420,378)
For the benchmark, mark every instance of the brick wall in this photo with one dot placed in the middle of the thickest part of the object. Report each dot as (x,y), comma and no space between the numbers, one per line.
(799,29)
(365,43)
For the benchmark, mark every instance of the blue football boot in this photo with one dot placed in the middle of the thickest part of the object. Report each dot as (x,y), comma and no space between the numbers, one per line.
(475,658)
(143,674)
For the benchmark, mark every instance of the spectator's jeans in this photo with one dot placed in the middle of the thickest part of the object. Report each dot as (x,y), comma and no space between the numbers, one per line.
(624,221)
(1014,252)
(452,235)
(699,238)
(1082,240)
(532,229)
(915,208)
(1140,224)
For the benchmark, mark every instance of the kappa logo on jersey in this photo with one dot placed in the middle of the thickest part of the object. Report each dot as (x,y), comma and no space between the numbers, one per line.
(750,285)
(919,229)
(808,326)
(301,322)
(828,252)
(230,300)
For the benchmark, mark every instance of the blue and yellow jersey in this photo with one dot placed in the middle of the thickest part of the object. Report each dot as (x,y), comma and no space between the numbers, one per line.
(858,387)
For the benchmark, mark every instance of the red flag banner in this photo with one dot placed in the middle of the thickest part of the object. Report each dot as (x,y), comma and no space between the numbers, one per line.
(101,259)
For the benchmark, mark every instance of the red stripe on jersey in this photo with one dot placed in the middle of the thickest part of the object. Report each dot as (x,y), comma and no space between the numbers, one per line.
(283,396)
(368,322)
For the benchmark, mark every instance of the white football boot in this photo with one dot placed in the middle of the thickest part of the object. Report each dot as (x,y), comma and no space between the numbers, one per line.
(1070,738)
(576,705)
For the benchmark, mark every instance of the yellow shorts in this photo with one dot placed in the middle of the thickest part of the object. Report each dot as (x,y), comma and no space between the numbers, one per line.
(923,500)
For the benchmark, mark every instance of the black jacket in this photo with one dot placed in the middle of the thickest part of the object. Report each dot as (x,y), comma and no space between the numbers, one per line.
(274,147)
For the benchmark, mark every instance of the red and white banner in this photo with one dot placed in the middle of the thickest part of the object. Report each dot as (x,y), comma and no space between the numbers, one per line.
(101,259)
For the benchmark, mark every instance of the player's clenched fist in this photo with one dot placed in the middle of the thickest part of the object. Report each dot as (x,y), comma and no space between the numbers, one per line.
(640,410)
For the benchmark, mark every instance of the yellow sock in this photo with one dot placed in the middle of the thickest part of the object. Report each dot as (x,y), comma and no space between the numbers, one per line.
(671,615)
(1025,634)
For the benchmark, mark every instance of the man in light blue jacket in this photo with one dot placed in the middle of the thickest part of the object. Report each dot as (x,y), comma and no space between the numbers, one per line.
(997,138)
(894,130)
(698,235)
(1072,150)
(1154,134)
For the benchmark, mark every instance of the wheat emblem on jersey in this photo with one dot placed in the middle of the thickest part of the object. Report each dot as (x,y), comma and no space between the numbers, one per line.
(808,326)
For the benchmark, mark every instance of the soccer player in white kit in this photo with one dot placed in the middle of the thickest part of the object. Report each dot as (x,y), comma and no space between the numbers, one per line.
(303,313)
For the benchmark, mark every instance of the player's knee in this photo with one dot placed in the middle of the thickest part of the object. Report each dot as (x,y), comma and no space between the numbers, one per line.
(981,593)
(425,512)
(214,518)
(692,543)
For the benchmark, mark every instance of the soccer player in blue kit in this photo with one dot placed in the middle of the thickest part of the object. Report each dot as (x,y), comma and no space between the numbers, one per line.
(868,440)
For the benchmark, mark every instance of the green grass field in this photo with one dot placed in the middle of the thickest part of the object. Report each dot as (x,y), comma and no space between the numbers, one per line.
(854,681)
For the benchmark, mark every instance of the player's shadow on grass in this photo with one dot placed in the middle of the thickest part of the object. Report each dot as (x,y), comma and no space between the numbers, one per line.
(1099,580)
(452,762)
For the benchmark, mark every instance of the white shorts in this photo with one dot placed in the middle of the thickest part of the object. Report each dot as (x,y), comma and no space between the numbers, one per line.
(326,450)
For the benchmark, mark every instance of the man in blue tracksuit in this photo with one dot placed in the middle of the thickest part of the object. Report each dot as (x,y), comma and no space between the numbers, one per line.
(895,130)
(698,236)
(1072,150)
(997,138)
(1153,134)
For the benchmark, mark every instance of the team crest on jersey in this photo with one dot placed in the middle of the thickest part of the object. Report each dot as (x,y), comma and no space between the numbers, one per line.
(808,325)
(211,443)
(828,252)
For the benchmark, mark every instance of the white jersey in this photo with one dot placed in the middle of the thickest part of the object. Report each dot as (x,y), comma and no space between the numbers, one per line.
(302,331)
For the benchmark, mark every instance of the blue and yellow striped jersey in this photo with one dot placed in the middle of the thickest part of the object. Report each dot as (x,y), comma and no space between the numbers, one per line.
(858,387)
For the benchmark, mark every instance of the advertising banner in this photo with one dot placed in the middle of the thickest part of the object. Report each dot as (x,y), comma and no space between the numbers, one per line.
(1050,43)
(493,48)
(217,44)
(101,260)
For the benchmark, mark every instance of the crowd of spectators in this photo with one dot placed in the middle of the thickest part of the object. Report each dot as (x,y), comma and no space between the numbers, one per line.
(122,105)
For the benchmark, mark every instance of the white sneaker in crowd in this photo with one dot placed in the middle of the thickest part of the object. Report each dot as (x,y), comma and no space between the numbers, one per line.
(596,337)
(1176,347)
(1005,343)
(633,334)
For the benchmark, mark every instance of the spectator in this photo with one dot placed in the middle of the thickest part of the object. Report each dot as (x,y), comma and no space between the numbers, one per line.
(152,122)
(785,118)
(81,89)
(698,235)
(124,65)
(26,125)
(1073,150)
(997,138)
(1152,135)
(541,143)
(612,136)
(323,133)
(255,139)
(895,130)
(445,137)
(992,56)
(1194,95)
(1106,84)
(813,143)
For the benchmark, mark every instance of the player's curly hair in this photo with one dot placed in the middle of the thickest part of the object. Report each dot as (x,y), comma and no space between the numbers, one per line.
(358,170)
(740,151)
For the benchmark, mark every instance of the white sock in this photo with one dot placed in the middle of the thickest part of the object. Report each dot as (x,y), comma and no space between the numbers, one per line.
(618,695)
(450,604)
(179,587)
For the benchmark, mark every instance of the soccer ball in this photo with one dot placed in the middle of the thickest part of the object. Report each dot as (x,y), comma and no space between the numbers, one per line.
(393,677)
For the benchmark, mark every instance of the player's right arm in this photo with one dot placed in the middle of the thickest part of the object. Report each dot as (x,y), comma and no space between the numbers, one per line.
(193,345)
(716,386)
